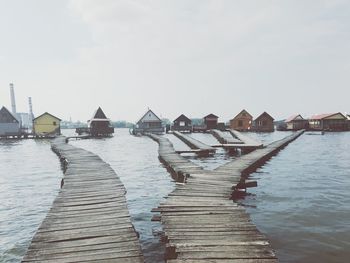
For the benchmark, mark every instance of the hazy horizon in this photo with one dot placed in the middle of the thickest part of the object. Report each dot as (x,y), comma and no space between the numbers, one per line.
(193,57)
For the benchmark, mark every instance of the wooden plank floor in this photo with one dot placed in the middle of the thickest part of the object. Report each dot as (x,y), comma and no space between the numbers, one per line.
(246,139)
(201,223)
(203,149)
(225,138)
(89,219)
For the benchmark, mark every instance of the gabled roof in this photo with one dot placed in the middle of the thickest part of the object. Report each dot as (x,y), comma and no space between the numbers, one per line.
(46,113)
(211,115)
(152,114)
(99,114)
(183,117)
(324,116)
(294,117)
(6,116)
(264,114)
(243,111)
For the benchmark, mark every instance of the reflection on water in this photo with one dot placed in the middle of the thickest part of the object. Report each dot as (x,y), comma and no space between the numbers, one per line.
(302,202)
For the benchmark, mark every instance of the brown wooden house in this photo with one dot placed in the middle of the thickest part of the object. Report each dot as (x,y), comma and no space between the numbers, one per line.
(329,122)
(211,121)
(242,121)
(182,124)
(99,124)
(296,122)
(264,123)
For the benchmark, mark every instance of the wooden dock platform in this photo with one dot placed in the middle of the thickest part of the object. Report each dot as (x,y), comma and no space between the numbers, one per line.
(202,148)
(225,138)
(246,139)
(89,219)
(235,140)
(201,223)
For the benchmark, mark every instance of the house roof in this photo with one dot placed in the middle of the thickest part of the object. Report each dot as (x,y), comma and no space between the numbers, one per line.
(183,117)
(149,111)
(6,116)
(326,115)
(99,114)
(211,115)
(46,113)
(243,111)
(293,117)
(264,114)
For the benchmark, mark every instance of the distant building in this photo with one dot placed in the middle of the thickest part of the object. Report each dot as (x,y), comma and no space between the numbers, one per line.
(348,116)
(329,122)
(149,122)
(182,124)
(264,123)
(47,125)
(296,122)
(99,124)
(211,121)
(9,125)
(242,121)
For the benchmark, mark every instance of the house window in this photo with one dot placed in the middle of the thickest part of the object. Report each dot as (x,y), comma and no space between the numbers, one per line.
(54,123)
(182,123)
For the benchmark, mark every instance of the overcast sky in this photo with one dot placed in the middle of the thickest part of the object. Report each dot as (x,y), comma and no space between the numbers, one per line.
(182,56)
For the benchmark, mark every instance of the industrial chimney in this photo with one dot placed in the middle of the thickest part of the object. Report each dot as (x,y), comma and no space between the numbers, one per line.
(31,115)
(13,100)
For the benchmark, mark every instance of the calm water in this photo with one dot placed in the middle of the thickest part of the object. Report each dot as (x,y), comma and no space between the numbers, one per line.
(30,176)
(302,202)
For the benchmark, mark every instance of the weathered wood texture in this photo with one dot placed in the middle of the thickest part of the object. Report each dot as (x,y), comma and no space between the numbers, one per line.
(201,223)
(202,149)
(225,138)
(235,140)
(246,139)
(89,219)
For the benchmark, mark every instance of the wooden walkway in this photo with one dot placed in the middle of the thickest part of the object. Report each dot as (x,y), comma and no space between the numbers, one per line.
(201,223)
(89,219)
(225,138)
(245,139)
(202,149)
(235,140)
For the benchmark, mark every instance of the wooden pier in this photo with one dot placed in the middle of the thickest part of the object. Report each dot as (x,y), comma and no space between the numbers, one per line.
(246,139)
(201,223)
(89,219)
(235,140)
(202,149)
(225,138)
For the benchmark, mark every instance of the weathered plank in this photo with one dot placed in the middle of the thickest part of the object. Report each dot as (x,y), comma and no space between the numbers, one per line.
(89,219)
(200,222)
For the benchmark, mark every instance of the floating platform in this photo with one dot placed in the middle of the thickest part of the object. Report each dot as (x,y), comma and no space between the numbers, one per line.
(201,223)
(89,219)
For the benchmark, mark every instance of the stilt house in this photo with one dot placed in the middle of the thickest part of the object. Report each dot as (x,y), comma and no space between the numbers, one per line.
(242,121)
(264,123)
(149,122)
(182,124)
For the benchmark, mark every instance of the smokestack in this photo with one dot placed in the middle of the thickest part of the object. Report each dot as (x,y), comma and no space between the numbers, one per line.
(31,108)
(13,100)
